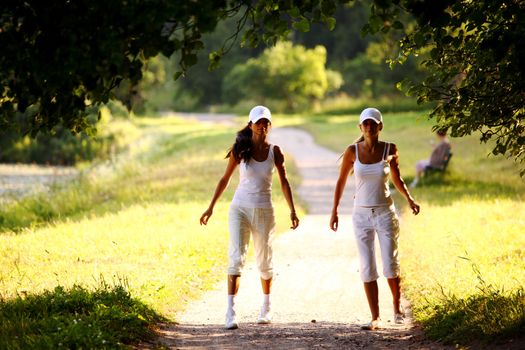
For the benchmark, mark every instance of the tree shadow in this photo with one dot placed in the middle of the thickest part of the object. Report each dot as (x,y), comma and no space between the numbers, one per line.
(490,317)
(76,318)
(325,335)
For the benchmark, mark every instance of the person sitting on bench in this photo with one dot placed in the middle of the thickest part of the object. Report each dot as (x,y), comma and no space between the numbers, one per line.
(437,158)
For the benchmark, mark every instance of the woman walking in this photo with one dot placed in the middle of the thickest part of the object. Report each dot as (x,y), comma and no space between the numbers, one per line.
(251,210)
(374,212)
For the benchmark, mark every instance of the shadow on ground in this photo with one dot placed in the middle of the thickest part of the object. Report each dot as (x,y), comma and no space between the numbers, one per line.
(322,335)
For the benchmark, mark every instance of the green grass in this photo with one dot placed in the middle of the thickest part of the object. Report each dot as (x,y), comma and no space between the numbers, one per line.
(106,317)
(462,258)
(471,252)
(344,105)
(135,220)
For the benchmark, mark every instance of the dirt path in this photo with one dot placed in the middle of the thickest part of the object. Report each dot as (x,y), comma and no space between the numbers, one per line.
(17,180)
(317,296)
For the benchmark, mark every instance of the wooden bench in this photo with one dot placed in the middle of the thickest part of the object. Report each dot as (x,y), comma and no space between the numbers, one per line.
(429,170)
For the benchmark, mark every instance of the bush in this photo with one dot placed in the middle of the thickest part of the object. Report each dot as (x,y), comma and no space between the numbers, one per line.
(488,316)
(75,318)
(293,75)
(60,147)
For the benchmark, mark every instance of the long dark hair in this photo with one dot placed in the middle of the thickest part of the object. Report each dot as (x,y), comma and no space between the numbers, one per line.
(242,148)
(359,139)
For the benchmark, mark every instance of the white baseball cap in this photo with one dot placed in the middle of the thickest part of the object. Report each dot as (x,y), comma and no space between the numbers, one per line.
(371,113)
(259,112)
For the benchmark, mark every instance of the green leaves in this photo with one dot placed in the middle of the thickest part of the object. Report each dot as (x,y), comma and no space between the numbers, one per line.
(474,66)
(287,74)
(215,59)
(398,25)
(303,25)
(330,23)
(60,56)
(375,23)
(177,75)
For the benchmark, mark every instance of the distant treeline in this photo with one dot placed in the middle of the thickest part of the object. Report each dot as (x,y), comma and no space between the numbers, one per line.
(61,147)
(294,75)
(320,70)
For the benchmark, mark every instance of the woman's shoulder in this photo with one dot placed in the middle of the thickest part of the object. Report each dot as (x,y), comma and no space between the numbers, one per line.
(352,148)
(392,147)
(277,153)
(350,152)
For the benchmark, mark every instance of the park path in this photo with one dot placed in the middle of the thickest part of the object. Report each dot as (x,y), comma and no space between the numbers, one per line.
(317,296)
(17,180)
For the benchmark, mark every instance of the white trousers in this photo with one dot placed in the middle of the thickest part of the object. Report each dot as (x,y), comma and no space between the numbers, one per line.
(367,223)
(260,222)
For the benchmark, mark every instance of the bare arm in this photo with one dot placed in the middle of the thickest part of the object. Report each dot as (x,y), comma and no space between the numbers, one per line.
(221,186)
(398,180)
(285,185)
(346,167)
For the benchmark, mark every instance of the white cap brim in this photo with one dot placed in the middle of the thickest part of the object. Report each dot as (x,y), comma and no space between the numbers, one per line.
(370,113)
(259,112)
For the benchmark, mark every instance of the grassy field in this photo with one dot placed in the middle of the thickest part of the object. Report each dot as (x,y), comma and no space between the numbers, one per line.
(133,225)
(463,261)
(126,234)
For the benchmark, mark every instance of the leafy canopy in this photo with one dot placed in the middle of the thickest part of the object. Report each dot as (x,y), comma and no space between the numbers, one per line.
(476,65)
(60,58)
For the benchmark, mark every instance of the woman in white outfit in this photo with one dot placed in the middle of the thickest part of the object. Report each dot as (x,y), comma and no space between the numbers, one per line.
(374,212)
(251,209)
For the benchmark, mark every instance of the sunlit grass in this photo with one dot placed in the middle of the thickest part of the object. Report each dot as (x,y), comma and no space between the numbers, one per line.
(484,233)
(412,133)
(158,248)
(137,221)
(345,105)
(465,272)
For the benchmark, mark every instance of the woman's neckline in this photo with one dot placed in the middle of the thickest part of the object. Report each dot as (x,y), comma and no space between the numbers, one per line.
(379,161)
(267,155)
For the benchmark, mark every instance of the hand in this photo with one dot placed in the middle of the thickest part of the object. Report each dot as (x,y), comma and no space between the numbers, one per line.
(334,222)
(295,220)
(206,216)
(414,206)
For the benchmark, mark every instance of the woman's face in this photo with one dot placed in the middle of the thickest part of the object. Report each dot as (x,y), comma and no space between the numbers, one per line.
(261,127)
(370,128)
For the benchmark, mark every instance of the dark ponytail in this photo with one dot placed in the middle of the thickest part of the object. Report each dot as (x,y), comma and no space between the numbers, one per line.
(243,146)
(359,139)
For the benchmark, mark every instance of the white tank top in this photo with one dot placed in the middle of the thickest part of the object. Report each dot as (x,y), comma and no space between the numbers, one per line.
(255,183)
(371,182)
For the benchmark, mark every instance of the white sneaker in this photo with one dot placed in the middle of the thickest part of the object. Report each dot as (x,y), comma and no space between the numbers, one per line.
(231,320)
(399,318)
(373,325)
(265,316)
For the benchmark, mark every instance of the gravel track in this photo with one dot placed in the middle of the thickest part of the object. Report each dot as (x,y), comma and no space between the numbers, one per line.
(318,299)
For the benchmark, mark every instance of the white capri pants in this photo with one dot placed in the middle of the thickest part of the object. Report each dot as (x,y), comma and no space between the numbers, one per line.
(367,223)
(260,222)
